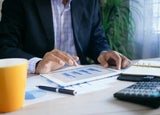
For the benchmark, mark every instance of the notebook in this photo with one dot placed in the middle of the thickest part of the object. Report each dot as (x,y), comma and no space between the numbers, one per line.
(144,67)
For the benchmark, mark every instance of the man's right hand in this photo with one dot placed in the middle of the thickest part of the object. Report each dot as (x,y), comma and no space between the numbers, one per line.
(54,60)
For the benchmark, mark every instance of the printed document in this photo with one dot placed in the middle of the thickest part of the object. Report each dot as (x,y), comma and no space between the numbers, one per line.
(75,75)
(35,95)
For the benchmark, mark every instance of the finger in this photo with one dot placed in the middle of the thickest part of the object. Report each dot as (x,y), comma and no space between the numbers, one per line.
(125,61)
(114,56)
(65,57)
(102,61)
(55,66)
(72,60)
(49,57)
(49,63)
(48,67)
(118,61)
(76,59)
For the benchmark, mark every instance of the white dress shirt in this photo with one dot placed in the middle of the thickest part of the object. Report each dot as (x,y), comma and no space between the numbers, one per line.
(63,32)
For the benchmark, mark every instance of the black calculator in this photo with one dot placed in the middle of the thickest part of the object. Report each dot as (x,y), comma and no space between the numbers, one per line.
(145,93)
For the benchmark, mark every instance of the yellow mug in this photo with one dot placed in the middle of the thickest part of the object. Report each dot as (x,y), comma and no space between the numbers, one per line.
(13,75)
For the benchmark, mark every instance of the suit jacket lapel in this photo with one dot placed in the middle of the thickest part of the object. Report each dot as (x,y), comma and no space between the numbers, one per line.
(77,12)
(45,13)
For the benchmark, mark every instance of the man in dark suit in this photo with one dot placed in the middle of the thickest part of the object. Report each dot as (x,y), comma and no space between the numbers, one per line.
(52,33)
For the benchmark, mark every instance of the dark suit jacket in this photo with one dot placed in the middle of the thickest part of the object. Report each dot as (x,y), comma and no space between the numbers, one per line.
(26,29)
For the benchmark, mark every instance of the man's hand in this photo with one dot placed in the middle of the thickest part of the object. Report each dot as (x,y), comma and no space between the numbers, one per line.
(107,58)
(55,59)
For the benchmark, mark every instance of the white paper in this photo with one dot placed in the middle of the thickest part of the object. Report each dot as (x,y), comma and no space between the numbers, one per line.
(146,63)
(36,95)
(144,67)
(80,74)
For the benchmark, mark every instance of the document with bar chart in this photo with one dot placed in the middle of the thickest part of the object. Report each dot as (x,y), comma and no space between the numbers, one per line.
(80,74)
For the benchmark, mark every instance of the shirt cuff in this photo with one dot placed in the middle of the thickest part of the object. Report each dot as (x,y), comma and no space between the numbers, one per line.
(32,64)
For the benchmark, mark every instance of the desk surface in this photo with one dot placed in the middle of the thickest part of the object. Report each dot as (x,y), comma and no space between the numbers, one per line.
(96,103)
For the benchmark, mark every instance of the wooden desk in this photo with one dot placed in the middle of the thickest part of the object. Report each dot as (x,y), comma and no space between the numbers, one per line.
(97,103)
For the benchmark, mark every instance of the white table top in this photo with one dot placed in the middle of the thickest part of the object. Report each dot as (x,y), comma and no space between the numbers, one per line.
(95,103)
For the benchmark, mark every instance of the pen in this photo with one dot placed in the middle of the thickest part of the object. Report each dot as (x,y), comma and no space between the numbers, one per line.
(60,90)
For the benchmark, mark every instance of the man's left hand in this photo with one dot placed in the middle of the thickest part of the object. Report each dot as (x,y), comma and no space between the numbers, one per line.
(108,58)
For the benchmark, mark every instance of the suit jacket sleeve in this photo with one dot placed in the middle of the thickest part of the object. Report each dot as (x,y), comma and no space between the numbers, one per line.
(26,29)
(98,38)
(89,35)
(11,30)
